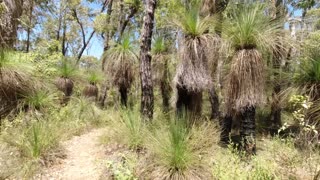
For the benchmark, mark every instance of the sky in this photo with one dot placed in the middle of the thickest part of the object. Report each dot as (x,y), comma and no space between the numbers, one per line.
(95,47)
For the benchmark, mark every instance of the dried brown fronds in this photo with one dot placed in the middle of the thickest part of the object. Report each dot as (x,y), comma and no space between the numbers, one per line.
(193,70)
(245,83)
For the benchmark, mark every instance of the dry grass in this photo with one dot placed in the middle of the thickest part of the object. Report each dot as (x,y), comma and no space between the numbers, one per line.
(15,81)
(245,83)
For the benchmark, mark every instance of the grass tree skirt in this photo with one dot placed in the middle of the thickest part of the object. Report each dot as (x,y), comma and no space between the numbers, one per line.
(91,91)
(248,129)
(66,86)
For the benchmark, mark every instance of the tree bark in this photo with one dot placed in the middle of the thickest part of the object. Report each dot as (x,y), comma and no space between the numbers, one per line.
(165,87)
(214,100)
(29,26)
(109,33)
(275,116)
(123,95)
(248,129)
(226,125)
(147,99)
(9,23)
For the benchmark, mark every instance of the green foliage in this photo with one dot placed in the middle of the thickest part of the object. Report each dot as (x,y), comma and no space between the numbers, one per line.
(39,100)
(35,140)
(171,147)
(94,77)
(66,69)
(128,129)
(123,170)
(249,27)
(159,45)
(191,23)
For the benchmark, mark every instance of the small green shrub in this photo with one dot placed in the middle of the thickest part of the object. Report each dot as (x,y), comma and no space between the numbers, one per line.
(35,140)
(174,152)
(128,128)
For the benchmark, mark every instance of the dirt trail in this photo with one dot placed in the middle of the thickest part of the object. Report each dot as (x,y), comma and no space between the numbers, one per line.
(83,161)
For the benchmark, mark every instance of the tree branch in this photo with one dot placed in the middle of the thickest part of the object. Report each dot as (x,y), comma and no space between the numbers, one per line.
(75,15)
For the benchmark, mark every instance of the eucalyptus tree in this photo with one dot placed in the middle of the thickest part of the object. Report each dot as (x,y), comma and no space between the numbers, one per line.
(147,97)
(10,12)
(249,32)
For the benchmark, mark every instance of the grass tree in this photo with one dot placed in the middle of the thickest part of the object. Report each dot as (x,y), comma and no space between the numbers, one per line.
(250,32)
(307,77)
(64,82)
(161,72)
(121,63)
(192,75)
(91,90)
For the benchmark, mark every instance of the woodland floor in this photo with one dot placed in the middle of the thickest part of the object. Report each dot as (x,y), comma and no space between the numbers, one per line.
(84,158)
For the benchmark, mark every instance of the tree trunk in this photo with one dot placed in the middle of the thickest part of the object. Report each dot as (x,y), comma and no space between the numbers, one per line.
(248,129)
(109,34)
(29,26)
(147,99)
(226,125)
(275,116)
(214,100)
(189,103)
(9,23)
(123,95)
(165,87)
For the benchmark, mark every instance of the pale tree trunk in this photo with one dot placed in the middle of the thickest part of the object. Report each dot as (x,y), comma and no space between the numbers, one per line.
(106,47)
(147,99)
(9,22)
(29,26)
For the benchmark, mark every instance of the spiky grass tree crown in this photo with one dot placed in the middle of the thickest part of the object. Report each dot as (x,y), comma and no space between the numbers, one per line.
(161,57)
(66,69)
(121,61)
(192,72)
(308,76)
(94,77)
(248,27)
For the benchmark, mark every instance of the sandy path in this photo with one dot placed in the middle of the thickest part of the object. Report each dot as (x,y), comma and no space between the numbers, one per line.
(84,159)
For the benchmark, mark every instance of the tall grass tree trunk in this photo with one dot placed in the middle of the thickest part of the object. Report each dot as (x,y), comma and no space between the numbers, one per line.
(123,90)
(248,129)
(189,102)
(147,99)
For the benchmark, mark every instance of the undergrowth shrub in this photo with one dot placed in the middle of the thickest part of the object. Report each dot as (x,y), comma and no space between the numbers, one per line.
(127,128)
(175,152)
